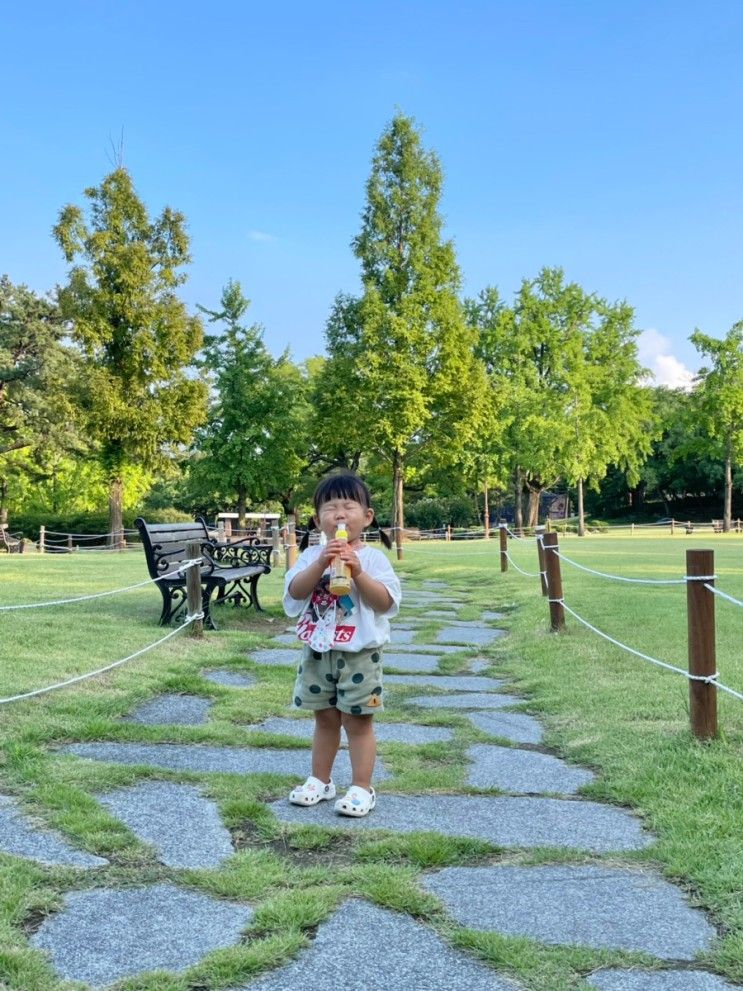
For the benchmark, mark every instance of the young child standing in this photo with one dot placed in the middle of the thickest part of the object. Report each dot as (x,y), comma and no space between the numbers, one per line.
(340,670)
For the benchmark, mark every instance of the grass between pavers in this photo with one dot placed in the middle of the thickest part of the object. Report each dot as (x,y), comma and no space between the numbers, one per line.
(602,708)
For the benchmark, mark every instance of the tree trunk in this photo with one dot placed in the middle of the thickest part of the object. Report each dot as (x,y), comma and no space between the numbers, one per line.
(518,513)
(581,514)
(3,501)
(242,496)
(486,510)
(534,496)
(727,515)
(116,513)
(398,515)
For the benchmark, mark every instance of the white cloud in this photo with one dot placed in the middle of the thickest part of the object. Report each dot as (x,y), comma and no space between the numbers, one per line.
(654,352)
(261,236)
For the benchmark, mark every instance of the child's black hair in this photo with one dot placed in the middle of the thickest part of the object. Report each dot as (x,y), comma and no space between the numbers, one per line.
(342,485)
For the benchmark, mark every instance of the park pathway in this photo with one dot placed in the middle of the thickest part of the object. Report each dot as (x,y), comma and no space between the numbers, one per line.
(521,797)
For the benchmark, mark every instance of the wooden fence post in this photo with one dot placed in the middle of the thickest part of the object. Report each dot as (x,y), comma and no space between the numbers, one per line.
(539,534)
(503,534)
(291,541)
(632,529)
(673,525)
(70,548)
(193,589)
(700,604)
(554,583)
(448,531)
(42,539)
(275,544)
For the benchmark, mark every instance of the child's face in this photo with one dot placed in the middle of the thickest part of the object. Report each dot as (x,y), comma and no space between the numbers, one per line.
(355,515)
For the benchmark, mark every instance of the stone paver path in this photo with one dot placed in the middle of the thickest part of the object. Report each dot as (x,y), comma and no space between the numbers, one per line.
(177,820)
(21,837)
(183,710)
(523,771)
(515,726)
(365,948)
(671,980)
(104,935)
(511,822)
(577,906)
(231,678)
(471,700)
(385,732)
(205,759)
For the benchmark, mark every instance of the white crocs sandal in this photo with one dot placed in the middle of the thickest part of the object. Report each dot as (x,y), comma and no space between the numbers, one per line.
(356,802)
(312,791)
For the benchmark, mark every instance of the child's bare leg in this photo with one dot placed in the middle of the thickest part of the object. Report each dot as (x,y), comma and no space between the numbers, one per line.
(325,742)
(362,747)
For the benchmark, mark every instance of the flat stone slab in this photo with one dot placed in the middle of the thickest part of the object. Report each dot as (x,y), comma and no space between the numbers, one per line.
(435,648)
(400,635)
(479,665)
(472,700)
(365,948)
(523,771)
(441,614)
(102,936)
(507,822)
(203,759)
(410,662)
(516,726)
(288,639)
(482,636)
(180,710)
(303,729)
(665,980)
(183,826)
(448,683)
(492,616)
(21,837)
(276,658)
(606,908)
(231,678)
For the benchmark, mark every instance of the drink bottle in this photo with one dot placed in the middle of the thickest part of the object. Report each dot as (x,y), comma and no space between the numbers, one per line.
(340,573)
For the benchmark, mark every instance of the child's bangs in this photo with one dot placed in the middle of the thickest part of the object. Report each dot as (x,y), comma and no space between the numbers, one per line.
(343,486)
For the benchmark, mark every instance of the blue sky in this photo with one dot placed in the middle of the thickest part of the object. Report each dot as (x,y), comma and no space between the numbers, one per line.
(605,138)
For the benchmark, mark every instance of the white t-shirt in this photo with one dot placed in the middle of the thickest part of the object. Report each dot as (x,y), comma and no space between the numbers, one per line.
(357,626)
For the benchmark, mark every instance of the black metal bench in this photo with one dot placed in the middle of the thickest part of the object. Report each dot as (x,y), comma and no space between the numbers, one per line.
(9,542)
(232,568)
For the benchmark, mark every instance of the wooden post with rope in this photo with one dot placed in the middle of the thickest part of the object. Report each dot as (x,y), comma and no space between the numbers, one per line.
(291,541)
(275,546)
(539,533)
(554,582)
(503,533)
(700,604)
(42,539)
(193,588)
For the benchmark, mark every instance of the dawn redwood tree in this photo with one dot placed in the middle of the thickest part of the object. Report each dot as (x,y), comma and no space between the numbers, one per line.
(254,444)
(137,337)
(413,386)
(718,403)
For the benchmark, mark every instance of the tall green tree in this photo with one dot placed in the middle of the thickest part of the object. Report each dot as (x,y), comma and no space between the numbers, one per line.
(37,390)
(254,444)
(136,335)
(718,402)
(413,383)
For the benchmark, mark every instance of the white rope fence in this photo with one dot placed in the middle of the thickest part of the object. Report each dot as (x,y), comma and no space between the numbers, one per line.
(711,679)
(109,667)
(101,595)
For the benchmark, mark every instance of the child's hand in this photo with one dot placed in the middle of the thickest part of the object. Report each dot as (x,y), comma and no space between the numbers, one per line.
(331,550)
(350,557)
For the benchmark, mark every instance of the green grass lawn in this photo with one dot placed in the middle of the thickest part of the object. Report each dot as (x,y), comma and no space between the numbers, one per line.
(603,708)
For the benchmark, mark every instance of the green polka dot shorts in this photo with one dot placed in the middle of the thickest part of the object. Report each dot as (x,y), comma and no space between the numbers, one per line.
(340,679)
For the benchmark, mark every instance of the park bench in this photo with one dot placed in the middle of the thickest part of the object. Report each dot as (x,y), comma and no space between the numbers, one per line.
(9,543)
(233,568)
